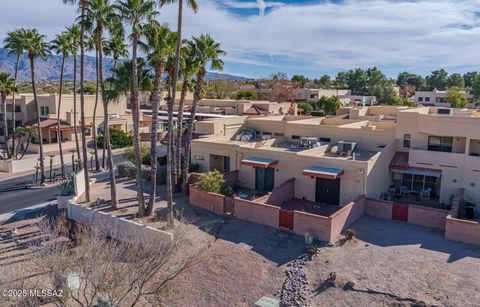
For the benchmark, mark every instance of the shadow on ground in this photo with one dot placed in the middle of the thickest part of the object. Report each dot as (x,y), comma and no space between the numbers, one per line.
(393,233)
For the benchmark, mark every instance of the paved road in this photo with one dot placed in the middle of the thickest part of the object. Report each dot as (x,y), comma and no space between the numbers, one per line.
(23,198)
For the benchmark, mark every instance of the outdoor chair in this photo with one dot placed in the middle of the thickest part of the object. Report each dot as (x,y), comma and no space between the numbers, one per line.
(404,191)
(424,194)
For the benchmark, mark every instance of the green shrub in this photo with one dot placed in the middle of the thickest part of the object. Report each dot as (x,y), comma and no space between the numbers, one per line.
(146,172)
(127,169)
(118,139)
(144,154)
(212,181)
(227,190)
(162,174)
(193,167)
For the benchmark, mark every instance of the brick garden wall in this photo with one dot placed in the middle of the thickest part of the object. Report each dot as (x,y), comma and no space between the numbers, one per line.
(205,200)
(346,216)
(428,217)
(462,230)
(283,192)
(379,208)
(315,225)
(257,213)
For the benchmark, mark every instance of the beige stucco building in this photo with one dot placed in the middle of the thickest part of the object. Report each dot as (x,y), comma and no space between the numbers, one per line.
(429,152)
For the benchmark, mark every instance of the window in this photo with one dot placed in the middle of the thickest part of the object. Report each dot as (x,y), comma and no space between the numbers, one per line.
(87,131)
(266,133)
(44,111)
(278,134)
(325,140)
(439,143)
(420,98)
(406,140)
(18,109)
(295,137)
(427,99)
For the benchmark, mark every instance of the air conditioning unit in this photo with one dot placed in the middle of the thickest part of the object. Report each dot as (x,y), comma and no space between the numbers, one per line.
(444,111)
(308,142)
(346,148)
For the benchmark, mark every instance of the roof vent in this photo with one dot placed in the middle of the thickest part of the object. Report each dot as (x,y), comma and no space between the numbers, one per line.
(346,148)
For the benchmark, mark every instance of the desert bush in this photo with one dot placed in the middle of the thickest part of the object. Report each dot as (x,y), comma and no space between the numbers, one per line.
(144,154)
(126,169)
(212,181)
(146,172)
(118,139)
(350,234)
(227,190)
(193,167)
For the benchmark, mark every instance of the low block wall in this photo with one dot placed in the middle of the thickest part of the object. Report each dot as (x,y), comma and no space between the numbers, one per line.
(379,208)
(118,228)
(15,166)
(462,230)
(346,216)
(257,213)
(208,201)
(428,217)
(283,192)
(315,225)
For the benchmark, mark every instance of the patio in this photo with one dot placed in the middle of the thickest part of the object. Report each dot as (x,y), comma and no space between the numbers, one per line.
(296,204)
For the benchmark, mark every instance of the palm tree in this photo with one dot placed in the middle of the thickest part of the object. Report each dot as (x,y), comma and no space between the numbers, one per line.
(7,87)
(83,6)
(137,13)
(193,5)
(36,46)
(74,33)
(62,44)
(101,12)
(116,48)
(14,45)
(206,51)
(159,44)
(188,69)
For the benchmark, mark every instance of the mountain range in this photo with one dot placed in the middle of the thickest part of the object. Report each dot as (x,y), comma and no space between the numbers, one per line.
(49,69)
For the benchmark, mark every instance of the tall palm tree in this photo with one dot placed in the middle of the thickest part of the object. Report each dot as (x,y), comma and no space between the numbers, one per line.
(137,13)
(82,7)
(74,33)
(116,48)
(14,44)
(101,13)
(193,5)
(7,87)
(206,51)
(62,44)
(159,44)
(188,69)
(36,46)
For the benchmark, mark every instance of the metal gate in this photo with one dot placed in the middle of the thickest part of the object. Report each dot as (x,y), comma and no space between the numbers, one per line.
(286,219)
(229,205)
(400,212)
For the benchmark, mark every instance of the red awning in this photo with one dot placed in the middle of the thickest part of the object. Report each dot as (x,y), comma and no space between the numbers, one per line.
(259,162)
(323,172)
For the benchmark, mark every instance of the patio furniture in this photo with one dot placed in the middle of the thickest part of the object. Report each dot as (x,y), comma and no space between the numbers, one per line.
(404,191)
(392,190)
(469,209)
(424,194)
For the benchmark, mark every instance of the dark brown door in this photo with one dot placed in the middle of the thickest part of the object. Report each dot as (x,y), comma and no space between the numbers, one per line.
(327,191)
(286,219)
(400,212)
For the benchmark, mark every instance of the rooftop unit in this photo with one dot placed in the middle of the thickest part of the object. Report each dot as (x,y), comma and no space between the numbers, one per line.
(309,142)
(346,148)
(247,134)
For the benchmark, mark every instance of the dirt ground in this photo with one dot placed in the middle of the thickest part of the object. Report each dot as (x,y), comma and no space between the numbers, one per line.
(388,263)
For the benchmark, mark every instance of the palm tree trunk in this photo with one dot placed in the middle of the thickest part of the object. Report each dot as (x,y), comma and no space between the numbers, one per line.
(170,218)
(14,128)
(115,60)
(82,104)
(40,139)
(94,126)
(136,129)
(75,121)
(5,123)
(59,133)
(157,90)
(106,135)
(191,121)
(178,141)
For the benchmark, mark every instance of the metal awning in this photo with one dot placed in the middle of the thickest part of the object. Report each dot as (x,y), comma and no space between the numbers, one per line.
(323,172)
(422,172)
(259,162)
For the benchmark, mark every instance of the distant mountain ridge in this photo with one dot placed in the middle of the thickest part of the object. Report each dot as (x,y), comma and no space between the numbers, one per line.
(49,69)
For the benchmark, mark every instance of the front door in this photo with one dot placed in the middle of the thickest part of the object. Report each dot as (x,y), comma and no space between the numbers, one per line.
(264,179)
(327,191)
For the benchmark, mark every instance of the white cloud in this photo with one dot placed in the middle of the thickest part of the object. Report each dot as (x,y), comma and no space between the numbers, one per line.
(421,35)
(311,38)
